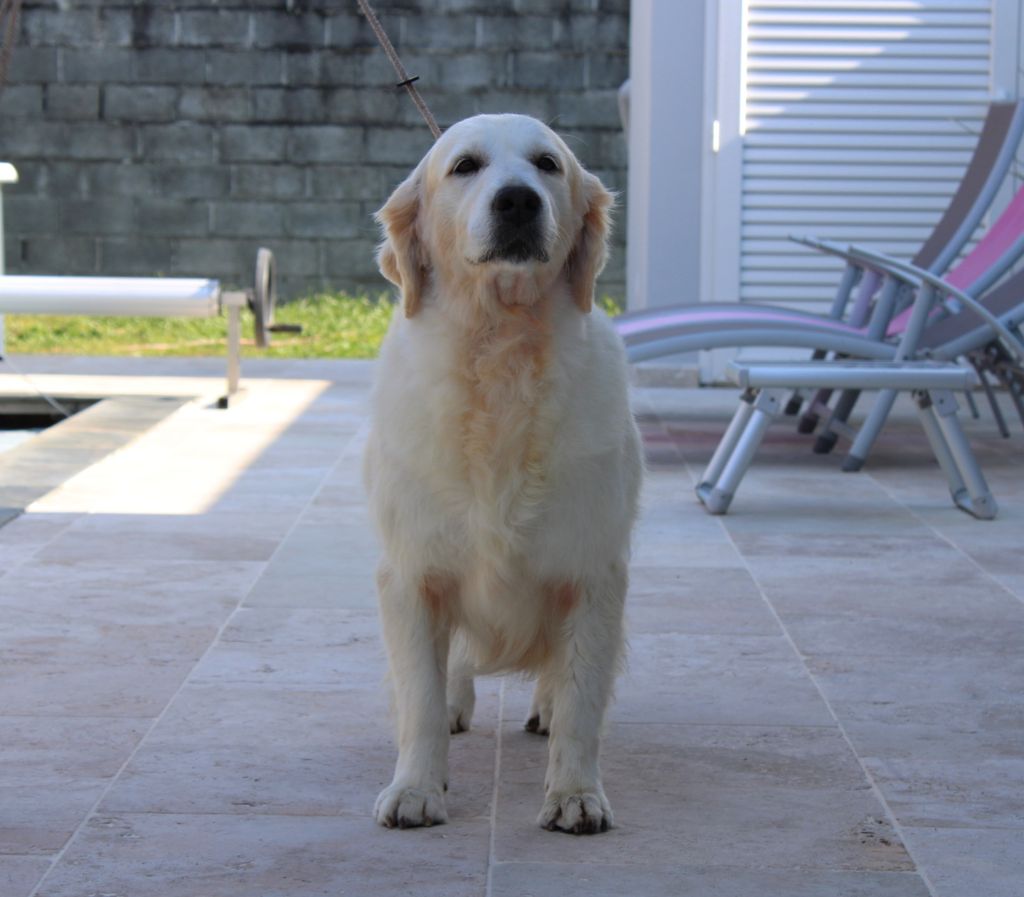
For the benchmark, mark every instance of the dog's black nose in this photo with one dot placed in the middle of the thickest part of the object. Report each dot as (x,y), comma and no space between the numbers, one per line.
(516,205)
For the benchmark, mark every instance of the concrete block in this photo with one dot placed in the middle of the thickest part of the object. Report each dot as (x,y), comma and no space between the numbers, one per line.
(72,102)
(472,70)
(42,26)
(591,32)
(268,181)
(134,256)
(172,217)
(325,219)
(26,214)
(60,140)
(157,178)
(240,218)
(244,67)
(58,178)
(119,178)
(21,101)
(325,143)
(606,70)
(290,30)
(31,65)
(104,65)
(597,108)
(514,32)
(153,26)
(216,257)
(140,103)
(171,66)
(351,31)
(427,29)
(178,142)
(355,182)
(398,146)
(544,68)
(216,104)
(97,215)
(288,105)
(49,254)
(302,68)
(354,260)
(219,28)
(256,143)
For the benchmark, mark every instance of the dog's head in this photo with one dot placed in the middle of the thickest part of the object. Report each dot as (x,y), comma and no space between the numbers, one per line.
(498,198)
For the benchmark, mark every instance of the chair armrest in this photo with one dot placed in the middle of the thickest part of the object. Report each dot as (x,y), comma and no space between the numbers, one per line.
(827,247)
(911,273)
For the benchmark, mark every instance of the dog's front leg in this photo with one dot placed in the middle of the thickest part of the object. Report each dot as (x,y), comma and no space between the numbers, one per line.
(581,685)
(416,635)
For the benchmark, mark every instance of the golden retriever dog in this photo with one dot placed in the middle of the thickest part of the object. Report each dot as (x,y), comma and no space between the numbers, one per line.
(503,464)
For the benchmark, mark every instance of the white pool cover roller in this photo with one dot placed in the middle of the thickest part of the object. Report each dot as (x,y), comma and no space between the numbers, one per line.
(157,297)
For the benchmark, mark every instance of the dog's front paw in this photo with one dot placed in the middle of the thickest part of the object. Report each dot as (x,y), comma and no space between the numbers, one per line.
(580,813)
(402,806)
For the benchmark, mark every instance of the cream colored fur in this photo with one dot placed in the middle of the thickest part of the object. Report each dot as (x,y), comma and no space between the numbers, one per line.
(502,469)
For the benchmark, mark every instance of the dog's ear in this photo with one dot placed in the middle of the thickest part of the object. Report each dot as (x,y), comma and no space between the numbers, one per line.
(590,251)
(401,257)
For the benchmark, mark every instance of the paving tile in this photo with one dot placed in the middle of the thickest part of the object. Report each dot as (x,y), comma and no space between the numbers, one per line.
(297,647)
(128,591)
(963,861)
(82,669)
(170,855)
(322,565)
(20,874)
(696,600)
(52,771)
(939,681)
(671,549)
(24,535)
(687,678)
(214,536)
(525,879)
(747,796)
(940,734)
(319,752)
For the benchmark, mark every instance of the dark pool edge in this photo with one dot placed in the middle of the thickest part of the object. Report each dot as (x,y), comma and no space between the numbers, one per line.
(35,468)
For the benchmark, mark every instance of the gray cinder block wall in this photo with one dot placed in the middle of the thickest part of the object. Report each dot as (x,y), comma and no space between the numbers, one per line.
(175,137)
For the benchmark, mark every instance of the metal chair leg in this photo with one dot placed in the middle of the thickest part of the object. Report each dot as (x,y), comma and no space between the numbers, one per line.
(727,444)
(869,431)
(978,501)
(836,422)
(717,494)
(929,421)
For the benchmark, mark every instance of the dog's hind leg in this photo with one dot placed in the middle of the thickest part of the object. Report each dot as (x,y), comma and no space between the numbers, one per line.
(461,694)
(416,635)
(574,800)
(539,719)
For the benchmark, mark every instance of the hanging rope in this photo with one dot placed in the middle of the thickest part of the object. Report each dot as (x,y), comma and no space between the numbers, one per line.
(9,10)
(404,80)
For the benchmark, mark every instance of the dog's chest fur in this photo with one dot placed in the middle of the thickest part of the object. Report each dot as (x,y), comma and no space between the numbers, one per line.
(507,418)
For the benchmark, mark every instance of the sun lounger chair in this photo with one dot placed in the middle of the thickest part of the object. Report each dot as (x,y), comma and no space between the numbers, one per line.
(932,381)
(856,330)
(989,323)
(1000,247)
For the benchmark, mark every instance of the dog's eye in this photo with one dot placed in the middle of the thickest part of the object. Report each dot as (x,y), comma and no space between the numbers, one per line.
(466,165)
(546,163)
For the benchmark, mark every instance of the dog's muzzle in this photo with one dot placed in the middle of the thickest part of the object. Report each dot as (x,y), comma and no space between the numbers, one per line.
(517,233)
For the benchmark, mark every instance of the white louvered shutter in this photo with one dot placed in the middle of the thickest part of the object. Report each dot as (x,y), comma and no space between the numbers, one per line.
(860,117)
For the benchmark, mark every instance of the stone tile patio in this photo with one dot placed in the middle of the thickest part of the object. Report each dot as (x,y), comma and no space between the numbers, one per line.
(825,692)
